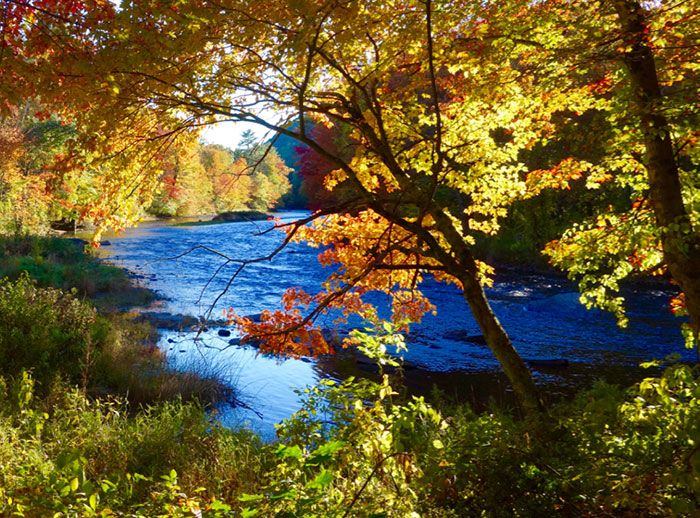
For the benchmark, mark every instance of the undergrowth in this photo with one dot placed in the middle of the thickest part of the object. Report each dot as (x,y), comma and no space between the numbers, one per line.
(70,455)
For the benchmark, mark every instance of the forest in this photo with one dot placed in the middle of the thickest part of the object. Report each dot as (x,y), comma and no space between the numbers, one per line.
(422,143)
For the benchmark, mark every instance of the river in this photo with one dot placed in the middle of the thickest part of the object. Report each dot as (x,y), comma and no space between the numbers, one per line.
(541,313)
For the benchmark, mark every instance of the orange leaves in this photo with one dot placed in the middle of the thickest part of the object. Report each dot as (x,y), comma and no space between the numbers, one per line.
(369,254)
(601,86)
(557,177)
(294,297)
(409,306)
(284,332)
(678,306)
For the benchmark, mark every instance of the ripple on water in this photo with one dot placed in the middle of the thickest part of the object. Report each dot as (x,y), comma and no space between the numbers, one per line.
(541,313)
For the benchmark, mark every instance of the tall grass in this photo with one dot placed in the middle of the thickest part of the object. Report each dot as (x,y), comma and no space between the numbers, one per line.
(70,454)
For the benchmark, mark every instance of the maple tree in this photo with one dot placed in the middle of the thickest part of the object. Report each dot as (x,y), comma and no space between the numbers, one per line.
(442,100)
(432,167)
(640,61)
(108,168)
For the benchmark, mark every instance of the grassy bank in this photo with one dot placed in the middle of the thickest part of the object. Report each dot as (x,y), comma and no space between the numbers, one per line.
(60,319)
(64,264)
(609,452)
(91,417)
(228,217)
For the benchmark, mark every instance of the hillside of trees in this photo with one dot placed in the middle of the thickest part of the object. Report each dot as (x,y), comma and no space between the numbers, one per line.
(43,188)
(210,179)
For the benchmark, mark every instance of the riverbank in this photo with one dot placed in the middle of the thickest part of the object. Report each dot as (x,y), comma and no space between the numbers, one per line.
(70,292)
(227,217)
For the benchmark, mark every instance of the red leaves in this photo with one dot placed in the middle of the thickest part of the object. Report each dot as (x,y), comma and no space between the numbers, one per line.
(557,177)
(284,332)
(678,306)
(601,86)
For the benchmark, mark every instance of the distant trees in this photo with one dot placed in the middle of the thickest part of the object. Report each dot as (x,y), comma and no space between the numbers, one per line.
(205,178)
(22,201)
(49,177)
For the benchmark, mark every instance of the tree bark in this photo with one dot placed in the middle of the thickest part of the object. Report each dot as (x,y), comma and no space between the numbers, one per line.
(679,240)
(459,262)
(500,344)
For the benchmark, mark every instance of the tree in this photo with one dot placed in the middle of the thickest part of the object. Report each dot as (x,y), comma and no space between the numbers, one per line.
(24,205)
(679,233)
(47,52)
(434,165)
(443,101)
(640,61)
(267,172)
(315,169)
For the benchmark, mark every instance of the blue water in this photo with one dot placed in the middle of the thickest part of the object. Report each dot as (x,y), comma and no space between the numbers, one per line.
(540,312)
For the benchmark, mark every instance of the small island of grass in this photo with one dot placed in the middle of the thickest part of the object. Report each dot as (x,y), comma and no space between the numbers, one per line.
(229,217)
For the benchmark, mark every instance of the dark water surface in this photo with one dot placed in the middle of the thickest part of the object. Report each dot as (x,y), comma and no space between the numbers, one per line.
(540,312)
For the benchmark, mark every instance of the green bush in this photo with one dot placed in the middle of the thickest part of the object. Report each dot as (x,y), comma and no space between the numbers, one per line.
(80,457)
(58,337)
(354,451)
(610,453)
(46,331)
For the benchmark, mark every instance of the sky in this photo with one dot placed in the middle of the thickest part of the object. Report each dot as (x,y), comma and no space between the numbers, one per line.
(229,133)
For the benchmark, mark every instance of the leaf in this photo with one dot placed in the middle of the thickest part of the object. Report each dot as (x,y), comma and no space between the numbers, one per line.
(323,479)
(245,497)
(290,494)
(294,452)
(324,453)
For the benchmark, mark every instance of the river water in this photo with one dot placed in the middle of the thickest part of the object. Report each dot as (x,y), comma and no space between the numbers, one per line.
(540,312)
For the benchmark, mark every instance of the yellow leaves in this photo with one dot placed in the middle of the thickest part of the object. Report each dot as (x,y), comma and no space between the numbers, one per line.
(485,273)
(332,179)
(558,177)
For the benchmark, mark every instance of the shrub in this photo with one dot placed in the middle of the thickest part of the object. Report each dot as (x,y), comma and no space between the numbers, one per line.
(46,331)
(611,453)
(354,450)
(81,457)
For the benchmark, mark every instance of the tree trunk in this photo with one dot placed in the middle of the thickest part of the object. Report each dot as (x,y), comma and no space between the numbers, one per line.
(680,242)
(460,263)
(501,346)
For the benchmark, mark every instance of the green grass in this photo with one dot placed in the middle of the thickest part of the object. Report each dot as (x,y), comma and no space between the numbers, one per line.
(77,456)
(64,264)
